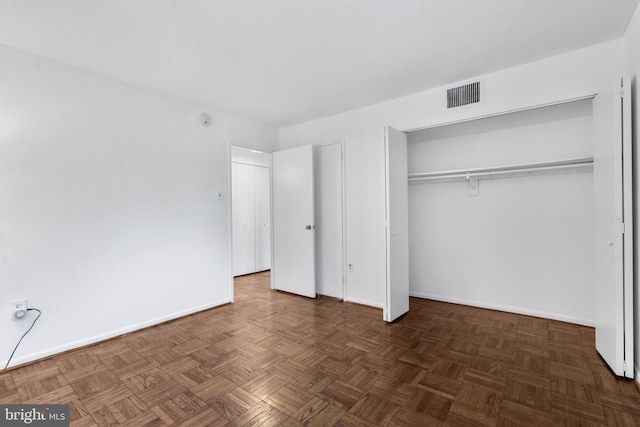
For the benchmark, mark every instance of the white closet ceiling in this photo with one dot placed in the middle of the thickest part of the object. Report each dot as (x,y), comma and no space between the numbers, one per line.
(283,62)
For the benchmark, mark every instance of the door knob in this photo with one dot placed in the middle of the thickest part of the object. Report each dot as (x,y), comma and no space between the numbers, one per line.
(308,227)
(610,242)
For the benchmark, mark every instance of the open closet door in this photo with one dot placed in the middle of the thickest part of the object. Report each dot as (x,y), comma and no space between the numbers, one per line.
(613,228)
(397,215)
(293,268)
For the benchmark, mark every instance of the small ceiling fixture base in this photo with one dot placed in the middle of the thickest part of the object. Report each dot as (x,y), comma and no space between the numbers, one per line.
(205,119)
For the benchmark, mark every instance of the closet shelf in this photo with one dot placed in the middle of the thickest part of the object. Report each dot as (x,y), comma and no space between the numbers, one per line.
(583,164)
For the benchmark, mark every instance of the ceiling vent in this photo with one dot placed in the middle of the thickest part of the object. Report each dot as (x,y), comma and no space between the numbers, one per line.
(463,95)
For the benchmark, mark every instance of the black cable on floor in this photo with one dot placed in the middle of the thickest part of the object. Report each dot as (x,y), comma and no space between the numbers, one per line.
(23,335)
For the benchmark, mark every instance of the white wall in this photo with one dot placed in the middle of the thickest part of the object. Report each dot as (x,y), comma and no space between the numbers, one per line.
(632,60)
(521,239)
(562,77)
(108,212)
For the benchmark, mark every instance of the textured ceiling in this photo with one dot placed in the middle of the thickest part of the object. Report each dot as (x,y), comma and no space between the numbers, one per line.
(282,62)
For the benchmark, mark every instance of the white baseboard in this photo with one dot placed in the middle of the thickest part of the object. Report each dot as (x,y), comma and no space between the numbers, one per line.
(364,302)
(510,309)
(111,334)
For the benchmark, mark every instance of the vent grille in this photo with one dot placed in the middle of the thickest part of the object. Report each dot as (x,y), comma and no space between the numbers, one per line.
(463,95)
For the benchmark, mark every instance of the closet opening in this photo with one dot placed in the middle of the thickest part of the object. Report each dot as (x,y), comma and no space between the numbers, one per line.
(501,212)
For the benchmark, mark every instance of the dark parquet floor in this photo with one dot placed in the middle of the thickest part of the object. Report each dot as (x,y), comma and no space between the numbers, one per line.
(276,359)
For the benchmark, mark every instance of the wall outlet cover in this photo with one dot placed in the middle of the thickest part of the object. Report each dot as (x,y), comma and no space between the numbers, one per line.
(18,309)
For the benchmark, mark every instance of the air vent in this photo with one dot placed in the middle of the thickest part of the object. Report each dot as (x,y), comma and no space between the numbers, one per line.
(463,95)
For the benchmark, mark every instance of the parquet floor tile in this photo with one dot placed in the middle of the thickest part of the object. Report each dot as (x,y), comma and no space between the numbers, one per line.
(409,417)
(342,394)
(262,387)
(213,388)
(179,408)
(328,415)
(273,358)
(119,412)
(235,403)
(374,409)
(289,399)
(262,414)
(461,415)
(427,402)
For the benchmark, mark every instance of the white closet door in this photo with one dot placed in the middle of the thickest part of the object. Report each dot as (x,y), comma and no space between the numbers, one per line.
(397,206)
(293,267)
(262,209)
(613,233)
(243,219)
(328,197)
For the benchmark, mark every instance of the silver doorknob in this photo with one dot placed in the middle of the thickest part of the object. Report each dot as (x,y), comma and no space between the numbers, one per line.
(610,242)
(308,227)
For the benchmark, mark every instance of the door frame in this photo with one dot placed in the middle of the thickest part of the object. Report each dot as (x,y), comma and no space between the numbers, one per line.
(232,291)
(629,213)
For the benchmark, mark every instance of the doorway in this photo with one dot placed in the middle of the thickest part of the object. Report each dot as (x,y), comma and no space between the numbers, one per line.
(252,216)
(251,210)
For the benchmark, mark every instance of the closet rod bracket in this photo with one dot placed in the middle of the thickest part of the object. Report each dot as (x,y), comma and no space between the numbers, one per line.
(473,185)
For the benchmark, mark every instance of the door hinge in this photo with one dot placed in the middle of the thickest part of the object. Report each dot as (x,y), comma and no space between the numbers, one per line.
(624,366)
(623,228)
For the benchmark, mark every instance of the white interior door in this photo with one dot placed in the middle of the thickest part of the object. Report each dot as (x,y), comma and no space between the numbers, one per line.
(262,210)
(397,206)
(613,233)
(328,197)
(243,219)
(293,268)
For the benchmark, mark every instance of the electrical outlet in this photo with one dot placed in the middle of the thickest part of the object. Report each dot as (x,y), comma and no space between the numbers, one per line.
(18,309)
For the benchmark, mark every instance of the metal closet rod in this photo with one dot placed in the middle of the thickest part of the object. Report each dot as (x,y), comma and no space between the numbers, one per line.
(566,165)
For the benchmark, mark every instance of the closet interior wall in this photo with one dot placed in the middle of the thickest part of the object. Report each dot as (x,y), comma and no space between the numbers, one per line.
(251,210)
(523,244)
